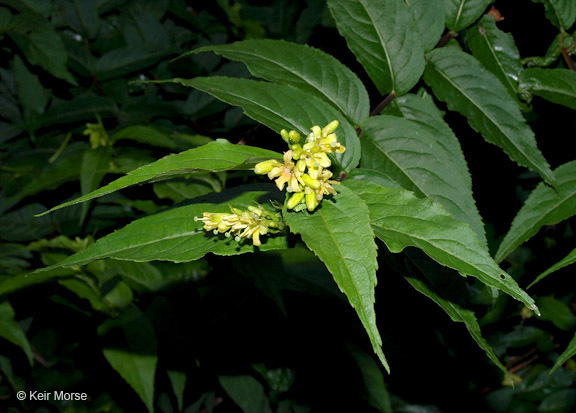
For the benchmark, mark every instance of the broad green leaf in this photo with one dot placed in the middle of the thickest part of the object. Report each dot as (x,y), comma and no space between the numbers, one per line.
(20,281)
(544,206)
(566,355)
(375,176)
(82,16)
(561,13)
(429,279)
(467,87)
(31,93)
(134,356)
(81,108)
(95,164)
(304,67)
(339,233)
(11,330)
(219,155)
(401,220)
(151,136)
(247,392)
(122,61)
(564,262)
(557,312)
(174,235)
(378,395)
(555,85)
(280,107)
(497,51)
(381,35)
(462,13)
(429,18)
(410,155)
(18,225)
(559,401)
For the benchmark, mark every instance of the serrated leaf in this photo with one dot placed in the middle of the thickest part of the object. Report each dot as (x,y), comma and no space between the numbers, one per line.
(555,85)
(11,330)
(216,156)
(339,233)
(375,176)
(411,156)
(280,107)
(380,33)
(174,235)
(566,355)
(467,87)
(400,220)
(429,18)
(303,67)
(497,51)
(544,206)
(429,279)
(462,13)
(564,262)
(134,357)
(561,13)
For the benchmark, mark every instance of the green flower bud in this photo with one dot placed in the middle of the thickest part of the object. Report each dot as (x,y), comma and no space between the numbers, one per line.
(311,201)
(285,136)
(301,165)
(294,136)
(311,182)
(295,200)
(263,168)
(331,127)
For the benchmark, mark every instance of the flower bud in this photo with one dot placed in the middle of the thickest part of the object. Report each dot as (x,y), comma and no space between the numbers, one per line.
(263,168)
(311,201)
(295,200)
(285,136)
(311,182)
(331,127)
(301,165)
(294,136)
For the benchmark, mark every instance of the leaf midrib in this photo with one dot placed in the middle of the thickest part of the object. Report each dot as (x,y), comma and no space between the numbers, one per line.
(498,62)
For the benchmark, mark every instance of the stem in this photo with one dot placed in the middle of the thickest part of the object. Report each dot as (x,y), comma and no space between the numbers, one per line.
(569,61)
(383,104)
(446,38)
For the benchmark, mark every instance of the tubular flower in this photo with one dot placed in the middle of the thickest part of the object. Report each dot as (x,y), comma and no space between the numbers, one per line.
(251,223)
(308,178)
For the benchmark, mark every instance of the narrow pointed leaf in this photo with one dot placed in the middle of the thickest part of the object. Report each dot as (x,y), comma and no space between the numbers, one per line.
(401,220)
(429,18)
(467,87)
(339,233)
(429,279)
(544,206)
(216,156)
(174,235)
(11,330)
(555,85)
(567,355)
(564,262)
(462,13)
(561,13)
(497,51)
(280,107)
(410,155)
(303,67)
(380,33)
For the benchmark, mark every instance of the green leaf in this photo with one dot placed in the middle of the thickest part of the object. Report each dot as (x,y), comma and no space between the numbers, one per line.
(134,357)
(497,51)
(303,67)
(82,16)
(178,381)
(375,176)
(559,401)
(561,13)
(557,312)
(219,155)
(430,279)
(174,235)
(31,94)
(402,220)
(411,156)
(153,137)
(380,33)
(378,395)
(247,392)
(95,164)
(555,85)
(467,87)
(566,355)
(564,262)
(544,206)
(11,330)
(280,107)
(429,18)
(462,13)
(339,233)
(123,61)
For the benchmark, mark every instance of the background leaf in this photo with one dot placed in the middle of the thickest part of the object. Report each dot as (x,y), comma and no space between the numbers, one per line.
(429,18)
(459,80)
(247,392)
(462,13)
(564,262)
(566,355)
(409,154)
(561,13)
(380,34)
(401,220)
(348,251)
(544,206)
(11,330)
(304,67)
(555,85)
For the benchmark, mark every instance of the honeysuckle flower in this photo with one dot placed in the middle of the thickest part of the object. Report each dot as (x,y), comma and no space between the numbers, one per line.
(285,173)
(251,223)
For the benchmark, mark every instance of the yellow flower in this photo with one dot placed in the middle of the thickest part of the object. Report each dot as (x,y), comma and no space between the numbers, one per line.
(285,173)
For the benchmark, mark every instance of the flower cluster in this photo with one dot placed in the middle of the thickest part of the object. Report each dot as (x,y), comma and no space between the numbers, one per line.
(304,167)
(251,223)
